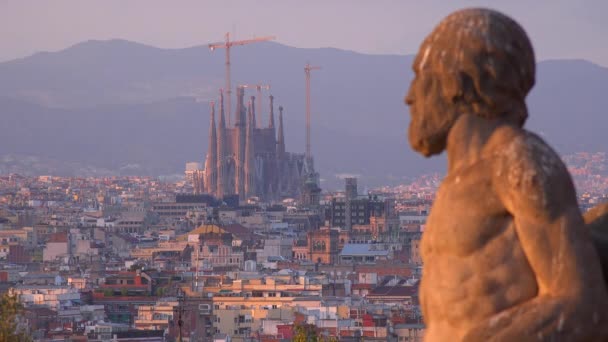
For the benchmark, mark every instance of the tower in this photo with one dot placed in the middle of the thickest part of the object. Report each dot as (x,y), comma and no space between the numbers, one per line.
(281,137)
(227,45)
(271,115)
(311,193)
(241,128)
(270,187)
(249,167)
(350,187)
(255,125)
(350,193)
(281,163)
(211,160)
(221,151)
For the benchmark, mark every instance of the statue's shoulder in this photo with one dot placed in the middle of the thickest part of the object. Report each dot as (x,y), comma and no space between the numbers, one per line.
(519,147)
(526,164)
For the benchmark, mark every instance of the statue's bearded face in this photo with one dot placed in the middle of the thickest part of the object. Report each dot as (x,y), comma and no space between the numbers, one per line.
(476,61)
(432,113)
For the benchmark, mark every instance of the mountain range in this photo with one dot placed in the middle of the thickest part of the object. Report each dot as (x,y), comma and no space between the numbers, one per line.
(131,108)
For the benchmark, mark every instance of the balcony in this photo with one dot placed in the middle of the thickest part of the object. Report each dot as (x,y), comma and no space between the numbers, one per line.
(145,321)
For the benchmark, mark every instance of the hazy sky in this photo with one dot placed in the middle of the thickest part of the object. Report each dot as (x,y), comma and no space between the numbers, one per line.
(558,29)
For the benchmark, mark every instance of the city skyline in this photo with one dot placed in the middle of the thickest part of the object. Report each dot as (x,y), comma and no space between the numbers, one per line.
(306,209)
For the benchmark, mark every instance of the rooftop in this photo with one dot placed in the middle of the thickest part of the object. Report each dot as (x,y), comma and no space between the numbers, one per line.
(363,249)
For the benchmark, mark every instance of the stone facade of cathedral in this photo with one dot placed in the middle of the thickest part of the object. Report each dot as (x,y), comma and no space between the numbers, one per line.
(251,161)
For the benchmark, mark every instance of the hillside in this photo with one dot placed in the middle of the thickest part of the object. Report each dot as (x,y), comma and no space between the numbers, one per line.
(112,104)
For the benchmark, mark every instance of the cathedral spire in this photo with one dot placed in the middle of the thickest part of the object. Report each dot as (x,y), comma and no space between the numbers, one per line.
(281,137)
(249,152)
(241,133)
(255,125)
(211,160)
(271,118)
(241,110)
(221,151)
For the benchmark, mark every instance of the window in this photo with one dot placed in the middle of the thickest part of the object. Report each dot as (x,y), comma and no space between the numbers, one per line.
(319,246)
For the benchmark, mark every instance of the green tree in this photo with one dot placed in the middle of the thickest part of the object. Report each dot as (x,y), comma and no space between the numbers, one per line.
(10,309)
(305,333)
(308,333)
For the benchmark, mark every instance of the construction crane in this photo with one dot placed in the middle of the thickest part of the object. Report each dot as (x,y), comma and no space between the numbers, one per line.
(307,69)
(259,88)
(227,45)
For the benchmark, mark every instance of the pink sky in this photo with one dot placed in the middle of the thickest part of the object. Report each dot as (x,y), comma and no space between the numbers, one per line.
(558,29)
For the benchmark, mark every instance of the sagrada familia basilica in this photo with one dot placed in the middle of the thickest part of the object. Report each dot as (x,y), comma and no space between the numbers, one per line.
(250,159)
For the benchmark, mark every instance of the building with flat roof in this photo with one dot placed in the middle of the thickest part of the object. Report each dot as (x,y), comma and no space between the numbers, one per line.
(363,253)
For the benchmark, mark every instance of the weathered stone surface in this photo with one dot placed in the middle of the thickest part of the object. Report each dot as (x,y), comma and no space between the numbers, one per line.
(507,256)
(597,223)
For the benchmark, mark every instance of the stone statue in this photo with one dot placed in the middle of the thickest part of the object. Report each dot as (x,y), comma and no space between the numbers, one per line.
(507,255)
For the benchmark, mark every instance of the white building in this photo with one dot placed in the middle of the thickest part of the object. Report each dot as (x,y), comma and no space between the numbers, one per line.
(55,297)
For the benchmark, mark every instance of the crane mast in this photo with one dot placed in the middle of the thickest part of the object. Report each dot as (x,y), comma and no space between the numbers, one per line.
(227,44)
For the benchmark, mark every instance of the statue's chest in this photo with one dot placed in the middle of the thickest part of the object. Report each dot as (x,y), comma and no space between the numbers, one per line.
(466,213)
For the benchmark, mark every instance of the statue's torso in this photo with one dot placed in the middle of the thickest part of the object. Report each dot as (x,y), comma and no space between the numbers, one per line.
(474,266)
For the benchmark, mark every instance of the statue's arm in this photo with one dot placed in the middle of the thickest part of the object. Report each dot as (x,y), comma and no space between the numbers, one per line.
(597,224)
(542,201)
